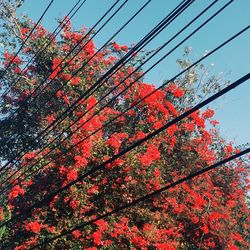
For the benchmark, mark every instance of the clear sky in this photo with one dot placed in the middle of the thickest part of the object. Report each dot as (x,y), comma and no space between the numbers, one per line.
(232,111)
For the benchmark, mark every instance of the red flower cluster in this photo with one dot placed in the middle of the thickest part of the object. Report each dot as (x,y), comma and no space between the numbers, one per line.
(15,192)
(34,227)
(151,155)
(208,213)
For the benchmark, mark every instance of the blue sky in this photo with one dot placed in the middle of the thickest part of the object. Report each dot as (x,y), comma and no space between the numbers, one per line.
(232,111)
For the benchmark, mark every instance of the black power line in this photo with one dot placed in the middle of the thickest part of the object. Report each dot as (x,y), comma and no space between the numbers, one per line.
(24,42)
(130,53)
(185,5)
(145,197)
(235,84)
(105,80)
(50,196)
(138,143)
(68,54)
(86,63)
(107,104)
(32,95)
(86,112)
(39,152)
(10,161)
(49,40)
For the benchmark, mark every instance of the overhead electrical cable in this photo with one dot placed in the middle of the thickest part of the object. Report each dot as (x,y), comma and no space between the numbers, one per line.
(50,196)
(71,51)
(115,97)
(136,144)
(32,94)
(85,112)
(116,70)
(15,172)
(145,197)
(25,40)
(99,49)
(10,161)
(47,42)
(64,113)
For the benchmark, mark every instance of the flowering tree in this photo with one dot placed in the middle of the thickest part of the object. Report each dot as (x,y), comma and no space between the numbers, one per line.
(209,212)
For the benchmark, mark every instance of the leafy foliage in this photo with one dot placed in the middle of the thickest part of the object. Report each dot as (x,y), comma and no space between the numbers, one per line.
(210,212)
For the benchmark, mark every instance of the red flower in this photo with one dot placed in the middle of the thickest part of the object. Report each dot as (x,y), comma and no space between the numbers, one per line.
(56,62)
(72,175)
(50,118)
(175,91)
(139,241)
(97,237)
(232,247)
(151,155)
(140,135)
(89,48)
(120,47)
(214,122)
(171,108)
(51,229)
(93,189)
(188,126)
(115,140)
(24,31)
(116,46)
(147,227)
(76,234)
(66,77)
(157,173)
(16,60)
(66,100)
(1,214)
(74,204)
(205,229)
(236,236)
(164,246)
(195,219)
(103,225)
(6,55)
(80,161)
(178,93)
(30,155)
(54,74)
(209,113)
(229,149)
(59,93)
(17,70)
(16,190)
(75,80)
(200,122)
(91,102)
(124,48)
(34,227)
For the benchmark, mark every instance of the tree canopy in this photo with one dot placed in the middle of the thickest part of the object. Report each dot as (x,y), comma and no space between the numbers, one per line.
(210,212)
